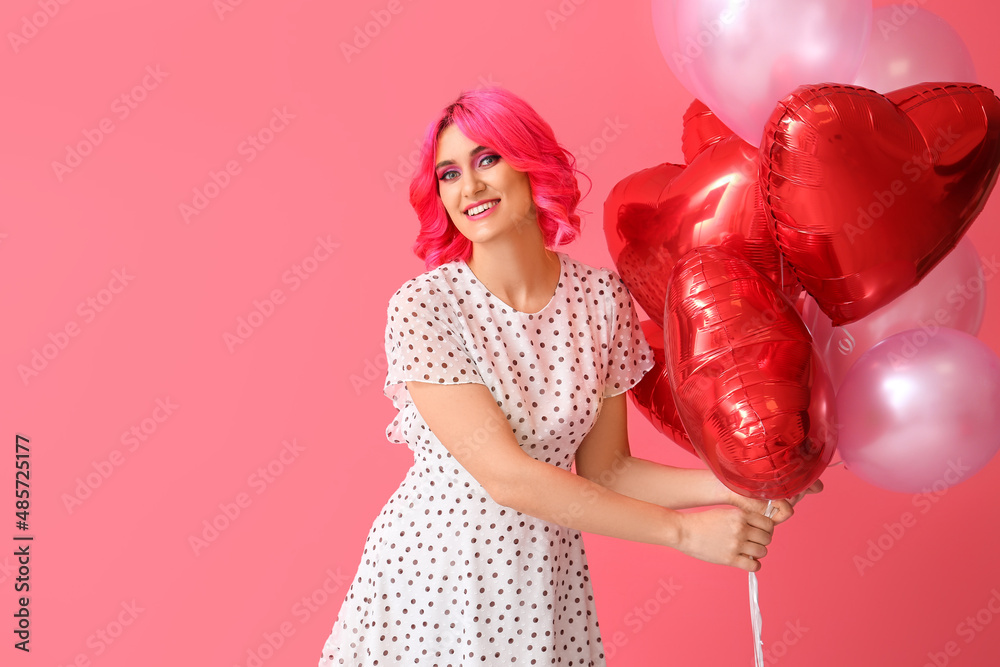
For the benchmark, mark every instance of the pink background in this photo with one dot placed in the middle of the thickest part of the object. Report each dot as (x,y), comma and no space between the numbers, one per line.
(120,562)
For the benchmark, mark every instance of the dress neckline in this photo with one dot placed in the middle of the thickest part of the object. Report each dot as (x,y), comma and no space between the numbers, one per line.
(506,307)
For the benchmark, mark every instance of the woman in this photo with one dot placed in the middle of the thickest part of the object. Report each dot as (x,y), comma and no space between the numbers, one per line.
(509,362)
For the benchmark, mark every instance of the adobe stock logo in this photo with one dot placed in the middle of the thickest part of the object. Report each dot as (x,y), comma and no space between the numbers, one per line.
(105,636)
(562,12)
(712,29)
(589,152)
(924,501)
(972,626)
(30,25)
(271,642)
(223,7)
(59,339)
(641,615)
(249,149)
(264,309)
(122,107)
(231,510)
(365,33)
(901,14)
(883,200)
(102,469)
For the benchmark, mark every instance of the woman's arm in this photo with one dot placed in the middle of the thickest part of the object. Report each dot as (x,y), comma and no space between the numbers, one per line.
(469,423)
(604,457)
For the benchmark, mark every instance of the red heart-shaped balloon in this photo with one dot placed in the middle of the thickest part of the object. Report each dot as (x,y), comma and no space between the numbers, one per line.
(867,193)
(702,128)
(652,394)
(655,216)
(750,386)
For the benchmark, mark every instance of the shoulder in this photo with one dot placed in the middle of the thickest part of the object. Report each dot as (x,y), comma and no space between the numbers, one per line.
(603,282)
(430,290)
(599,276)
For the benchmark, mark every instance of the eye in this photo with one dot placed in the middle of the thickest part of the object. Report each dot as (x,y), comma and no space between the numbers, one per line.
(444,174)
(494,158)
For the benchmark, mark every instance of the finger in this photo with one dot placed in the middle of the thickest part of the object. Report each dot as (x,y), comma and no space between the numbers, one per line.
(760,521)
(783,511)
(815,487)
(752,504)
(759,536)
(754,550)
(746,563)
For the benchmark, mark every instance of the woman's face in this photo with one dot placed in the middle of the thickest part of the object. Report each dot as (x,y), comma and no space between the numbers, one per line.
(470,175)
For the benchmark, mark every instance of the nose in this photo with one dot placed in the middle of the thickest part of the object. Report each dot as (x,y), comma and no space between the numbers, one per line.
(471,183)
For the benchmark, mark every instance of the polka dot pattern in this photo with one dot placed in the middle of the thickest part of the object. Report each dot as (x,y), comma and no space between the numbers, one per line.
(448,576)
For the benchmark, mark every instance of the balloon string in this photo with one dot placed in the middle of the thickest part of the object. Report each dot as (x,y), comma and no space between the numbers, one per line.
(755,623)
(755,618)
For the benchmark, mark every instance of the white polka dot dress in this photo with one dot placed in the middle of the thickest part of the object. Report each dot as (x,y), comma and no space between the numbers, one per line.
(449,577)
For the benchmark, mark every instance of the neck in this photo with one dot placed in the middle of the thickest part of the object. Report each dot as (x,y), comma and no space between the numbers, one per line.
(520,274)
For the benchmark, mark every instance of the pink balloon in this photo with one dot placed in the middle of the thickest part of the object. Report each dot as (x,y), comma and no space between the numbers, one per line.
(910,45)
(665,29)
(952,295)
(919,412)
(743,56)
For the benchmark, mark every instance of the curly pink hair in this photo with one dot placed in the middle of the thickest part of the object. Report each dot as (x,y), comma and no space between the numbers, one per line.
(496,118)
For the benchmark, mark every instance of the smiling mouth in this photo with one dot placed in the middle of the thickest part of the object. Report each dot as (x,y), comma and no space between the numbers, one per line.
(476,210)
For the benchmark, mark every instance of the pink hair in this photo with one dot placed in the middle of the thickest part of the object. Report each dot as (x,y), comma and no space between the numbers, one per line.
(496,118)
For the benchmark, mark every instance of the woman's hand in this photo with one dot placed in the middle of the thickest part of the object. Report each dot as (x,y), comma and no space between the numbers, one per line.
(733,537)
(737,537)
(781,510)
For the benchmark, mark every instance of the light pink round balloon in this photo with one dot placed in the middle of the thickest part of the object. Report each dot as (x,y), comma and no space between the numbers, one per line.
(919,413)
(665,29)
(744,56)
(952,294)
(910,45)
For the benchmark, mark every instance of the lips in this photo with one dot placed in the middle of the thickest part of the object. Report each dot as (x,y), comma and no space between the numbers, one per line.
(478,204)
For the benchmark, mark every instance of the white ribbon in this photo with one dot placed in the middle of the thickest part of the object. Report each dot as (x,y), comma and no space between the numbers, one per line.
(755,619)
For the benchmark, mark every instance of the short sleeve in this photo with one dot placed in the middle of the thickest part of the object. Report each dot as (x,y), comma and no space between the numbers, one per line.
(422,343)
(630,355)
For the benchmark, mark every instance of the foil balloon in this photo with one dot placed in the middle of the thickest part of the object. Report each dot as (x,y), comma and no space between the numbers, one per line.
(952,295)
(741,56)
(702,128)
(652,394)
(750,387)
(655,216)
(867,193)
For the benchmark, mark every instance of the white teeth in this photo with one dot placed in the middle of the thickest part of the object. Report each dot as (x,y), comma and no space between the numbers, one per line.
(479,209)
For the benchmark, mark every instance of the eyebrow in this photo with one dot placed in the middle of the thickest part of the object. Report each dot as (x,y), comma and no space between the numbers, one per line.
(475,151)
